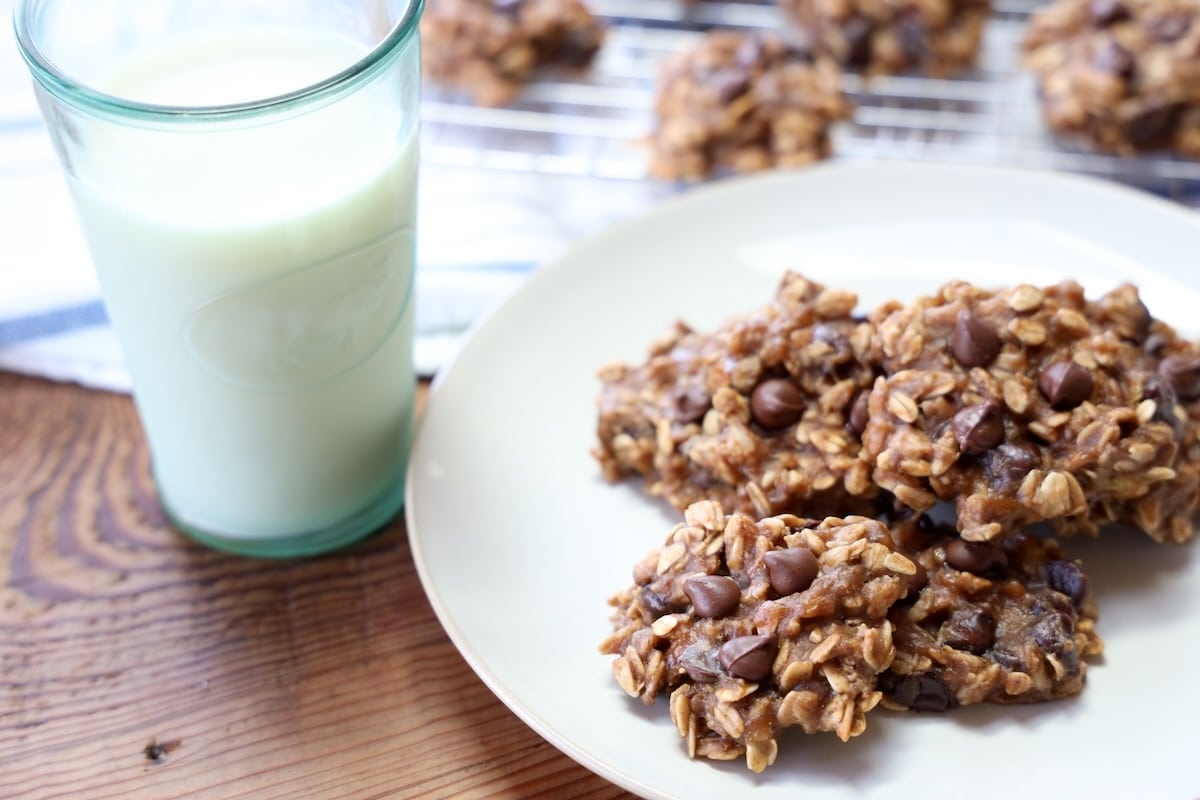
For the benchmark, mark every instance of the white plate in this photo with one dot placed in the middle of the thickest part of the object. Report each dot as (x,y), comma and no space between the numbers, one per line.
(519,541)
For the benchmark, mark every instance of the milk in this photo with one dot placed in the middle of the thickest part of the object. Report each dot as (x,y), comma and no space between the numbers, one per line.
(259,276)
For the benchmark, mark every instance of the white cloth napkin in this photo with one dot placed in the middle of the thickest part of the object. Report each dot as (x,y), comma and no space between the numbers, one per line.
(480,234)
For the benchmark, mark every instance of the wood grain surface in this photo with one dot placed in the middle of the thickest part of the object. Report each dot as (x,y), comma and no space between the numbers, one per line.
(137,664)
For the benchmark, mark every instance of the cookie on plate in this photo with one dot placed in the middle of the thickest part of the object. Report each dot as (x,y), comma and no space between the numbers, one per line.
(762,414)
(1006,622)
(753,627)
(1031,405)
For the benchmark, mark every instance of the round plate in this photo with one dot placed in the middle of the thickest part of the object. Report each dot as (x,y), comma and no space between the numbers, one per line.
(519,541)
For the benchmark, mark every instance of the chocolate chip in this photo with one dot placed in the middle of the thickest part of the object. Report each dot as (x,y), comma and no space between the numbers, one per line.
(974,342)
(1107,12)
(712,595)
(728,84)
(1142,323)
(791,570)
(1135,324)
(776,403)
(857,30)
(969,629)
(1007,465)
(920,691)
(1069,658)
(1051,602)
(975,557)
(1157,388)
(913,38)
(1182,374)
(860,413)
(1065,384)
(748,657)
(978,428)
(698,662)
(1154,343)
(1066,577)
(1152,127)
(575,48)
(690,404)
(1110,57)
(916,582)
(799,51)
(1052,633)
(1008,659)
(910,537)
(654,604)
(1170,26)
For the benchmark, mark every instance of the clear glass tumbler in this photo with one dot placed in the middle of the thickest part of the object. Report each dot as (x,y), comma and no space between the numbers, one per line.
(245,176)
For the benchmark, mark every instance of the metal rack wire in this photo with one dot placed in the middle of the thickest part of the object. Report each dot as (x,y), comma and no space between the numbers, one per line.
(589,126)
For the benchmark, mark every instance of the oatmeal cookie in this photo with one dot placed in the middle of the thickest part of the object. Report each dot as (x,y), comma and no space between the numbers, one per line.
(491,48)
(1122,76)
(762,414)
(744,102)
(1169,367)
(751,627)
(1034,405)
(936,37)
(1009,622)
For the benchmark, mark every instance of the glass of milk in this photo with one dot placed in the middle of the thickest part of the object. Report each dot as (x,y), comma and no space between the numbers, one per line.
(244,172)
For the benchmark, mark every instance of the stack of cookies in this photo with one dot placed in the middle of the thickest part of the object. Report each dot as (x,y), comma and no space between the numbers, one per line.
(872,504)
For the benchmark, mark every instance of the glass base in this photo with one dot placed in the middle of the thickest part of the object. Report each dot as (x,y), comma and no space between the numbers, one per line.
(308,543)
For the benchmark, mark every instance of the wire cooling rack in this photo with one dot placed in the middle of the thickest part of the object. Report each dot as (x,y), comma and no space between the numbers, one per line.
(563,160)
(589,126)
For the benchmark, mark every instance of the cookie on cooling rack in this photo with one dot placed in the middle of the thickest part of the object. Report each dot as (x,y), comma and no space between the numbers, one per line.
(491,48)
(936,37)
(743,102)
(1119,76)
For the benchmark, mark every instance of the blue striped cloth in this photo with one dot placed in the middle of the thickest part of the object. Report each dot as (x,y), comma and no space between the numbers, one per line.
(55,322)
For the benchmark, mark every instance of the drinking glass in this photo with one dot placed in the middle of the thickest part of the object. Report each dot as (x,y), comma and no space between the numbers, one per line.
(244,173)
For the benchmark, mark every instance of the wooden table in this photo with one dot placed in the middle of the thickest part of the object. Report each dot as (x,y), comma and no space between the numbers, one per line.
(136,664)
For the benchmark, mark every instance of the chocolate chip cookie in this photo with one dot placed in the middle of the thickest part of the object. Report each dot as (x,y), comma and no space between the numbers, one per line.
(1122,76)
(1009,622)
(752,627)
(936,37)
(763,414)
(1035,405)
(744,102)
(491,48)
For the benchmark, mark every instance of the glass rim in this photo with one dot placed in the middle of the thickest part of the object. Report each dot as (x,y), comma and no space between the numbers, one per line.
(73,92)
